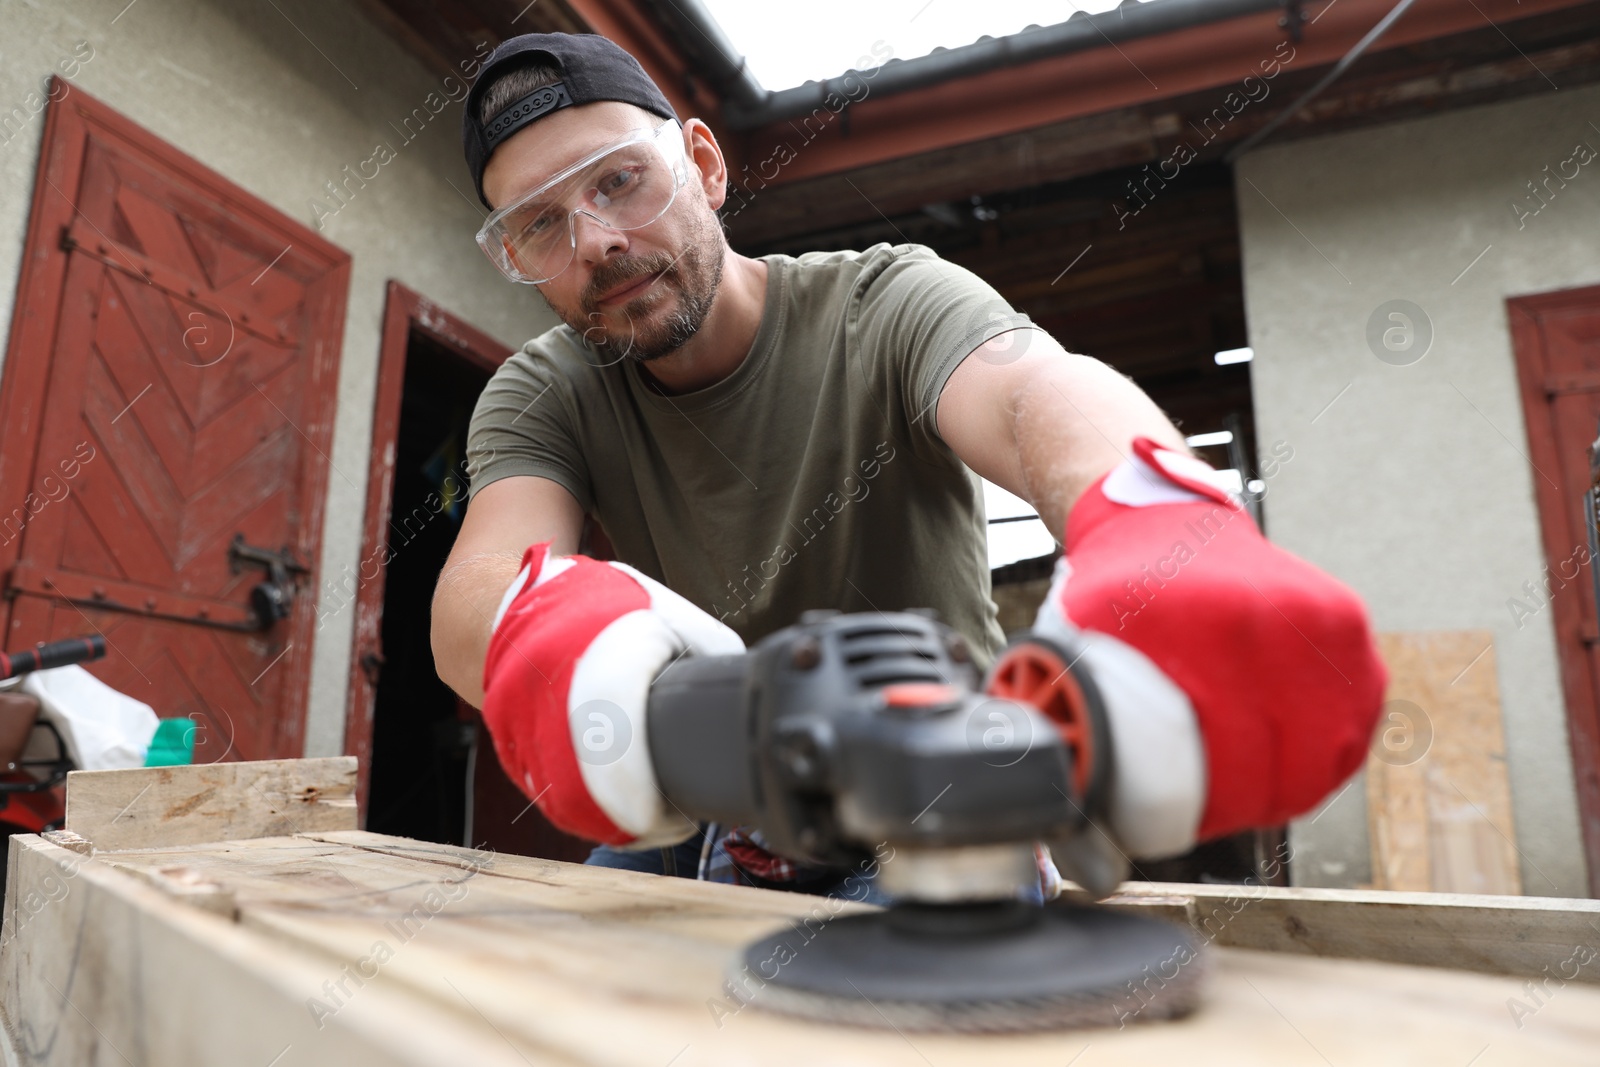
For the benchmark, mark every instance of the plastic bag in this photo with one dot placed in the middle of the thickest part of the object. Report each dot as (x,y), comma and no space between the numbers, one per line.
(104,729)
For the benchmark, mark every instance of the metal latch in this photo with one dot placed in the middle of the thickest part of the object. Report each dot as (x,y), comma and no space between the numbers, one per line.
(270,600)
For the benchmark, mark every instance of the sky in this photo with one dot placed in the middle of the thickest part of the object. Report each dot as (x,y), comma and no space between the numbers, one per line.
(789,44)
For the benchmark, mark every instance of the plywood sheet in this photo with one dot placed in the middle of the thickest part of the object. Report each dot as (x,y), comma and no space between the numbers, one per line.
(1438,795)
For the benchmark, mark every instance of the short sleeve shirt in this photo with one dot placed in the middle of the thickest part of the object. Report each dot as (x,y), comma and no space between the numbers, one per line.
(811,477)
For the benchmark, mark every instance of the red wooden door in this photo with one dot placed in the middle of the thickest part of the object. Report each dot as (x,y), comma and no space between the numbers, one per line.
(1557,342)
(168,390)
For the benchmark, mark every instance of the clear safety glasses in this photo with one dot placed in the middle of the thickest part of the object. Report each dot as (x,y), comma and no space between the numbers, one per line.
(624,186)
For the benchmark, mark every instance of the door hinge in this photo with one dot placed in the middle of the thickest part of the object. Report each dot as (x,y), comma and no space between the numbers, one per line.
(372,666)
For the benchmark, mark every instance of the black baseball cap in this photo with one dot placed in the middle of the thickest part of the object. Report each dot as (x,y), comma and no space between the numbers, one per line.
(593,68)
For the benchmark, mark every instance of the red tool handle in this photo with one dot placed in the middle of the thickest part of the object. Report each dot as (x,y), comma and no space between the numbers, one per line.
(54,654)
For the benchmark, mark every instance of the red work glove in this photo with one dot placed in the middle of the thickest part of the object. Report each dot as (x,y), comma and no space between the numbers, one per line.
(1242,684)
(576,645)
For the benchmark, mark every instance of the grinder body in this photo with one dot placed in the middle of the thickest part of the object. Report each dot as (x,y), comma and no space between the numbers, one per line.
(853,739)
(844,733)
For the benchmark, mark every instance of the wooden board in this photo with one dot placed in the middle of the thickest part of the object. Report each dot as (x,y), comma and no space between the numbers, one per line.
(357,948)
(1510,935)
(1438,795)
(211,801)
(99,969)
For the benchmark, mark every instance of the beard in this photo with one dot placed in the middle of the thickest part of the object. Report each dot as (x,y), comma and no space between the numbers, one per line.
(688,281)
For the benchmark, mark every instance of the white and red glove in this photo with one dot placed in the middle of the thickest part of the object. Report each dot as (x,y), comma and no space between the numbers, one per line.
(576,644)
(1241,683)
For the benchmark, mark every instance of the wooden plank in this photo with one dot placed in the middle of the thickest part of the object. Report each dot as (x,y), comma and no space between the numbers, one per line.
(602,966)
(1438,795)
(155,806)
(1511,935)
(97,968)
(1527,937)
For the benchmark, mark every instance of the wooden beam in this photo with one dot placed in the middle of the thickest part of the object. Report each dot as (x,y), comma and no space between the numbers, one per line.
(1476,66)
(99,967)
(444,35)
(1528,937)
(759,211)
(159,806)
(627,968)
(1213,58)
(627,23)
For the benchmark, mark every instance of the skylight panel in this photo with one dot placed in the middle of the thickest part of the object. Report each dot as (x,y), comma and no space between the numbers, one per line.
(788,44)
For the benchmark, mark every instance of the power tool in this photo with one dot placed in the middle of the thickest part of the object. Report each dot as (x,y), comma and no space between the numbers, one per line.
(43,656)
(851,739)
(31,796)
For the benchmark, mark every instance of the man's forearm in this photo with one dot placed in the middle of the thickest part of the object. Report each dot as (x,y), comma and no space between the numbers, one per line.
(1073,422)
(464,603)
(1046,424)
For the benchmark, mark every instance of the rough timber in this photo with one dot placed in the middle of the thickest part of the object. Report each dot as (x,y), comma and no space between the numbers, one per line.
(338,946)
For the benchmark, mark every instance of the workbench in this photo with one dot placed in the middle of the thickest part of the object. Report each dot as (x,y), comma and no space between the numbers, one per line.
(231,914)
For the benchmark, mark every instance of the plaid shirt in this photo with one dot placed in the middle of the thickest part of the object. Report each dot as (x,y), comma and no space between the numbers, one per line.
(738,855)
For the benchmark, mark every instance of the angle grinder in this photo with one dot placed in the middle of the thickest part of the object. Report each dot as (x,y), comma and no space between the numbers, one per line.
(855,739)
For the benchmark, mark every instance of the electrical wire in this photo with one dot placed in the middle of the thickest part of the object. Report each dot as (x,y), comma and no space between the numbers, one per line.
(1326,80)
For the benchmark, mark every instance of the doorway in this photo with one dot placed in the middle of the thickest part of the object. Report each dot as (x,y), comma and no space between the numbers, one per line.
(423,739)
(1556,341)
(428,767)
(165,417)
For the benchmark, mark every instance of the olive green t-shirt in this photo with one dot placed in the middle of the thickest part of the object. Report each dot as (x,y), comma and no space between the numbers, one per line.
(811,477)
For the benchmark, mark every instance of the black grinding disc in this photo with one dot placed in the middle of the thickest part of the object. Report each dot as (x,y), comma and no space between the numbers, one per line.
(977,967)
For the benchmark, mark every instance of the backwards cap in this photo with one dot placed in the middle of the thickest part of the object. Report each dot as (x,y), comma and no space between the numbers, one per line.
(592,68)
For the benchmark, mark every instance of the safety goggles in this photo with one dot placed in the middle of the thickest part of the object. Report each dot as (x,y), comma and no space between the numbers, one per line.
(623,186)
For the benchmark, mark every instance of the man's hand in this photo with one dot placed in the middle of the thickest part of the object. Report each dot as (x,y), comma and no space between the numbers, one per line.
(576,645)
(1241,683)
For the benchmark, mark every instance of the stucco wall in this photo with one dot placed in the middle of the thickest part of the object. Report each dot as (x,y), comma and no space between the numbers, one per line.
(1411,482)
(279,98)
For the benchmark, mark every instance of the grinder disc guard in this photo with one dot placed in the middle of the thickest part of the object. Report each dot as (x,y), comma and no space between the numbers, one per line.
(980,967)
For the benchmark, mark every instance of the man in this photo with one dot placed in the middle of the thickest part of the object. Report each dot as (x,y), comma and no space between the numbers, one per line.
(763,436)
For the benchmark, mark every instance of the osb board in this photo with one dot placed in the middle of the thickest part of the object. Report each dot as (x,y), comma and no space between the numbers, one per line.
(1438,796)
(560,963)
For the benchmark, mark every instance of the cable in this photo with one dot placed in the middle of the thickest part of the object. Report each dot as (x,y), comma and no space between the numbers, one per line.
(1327,79)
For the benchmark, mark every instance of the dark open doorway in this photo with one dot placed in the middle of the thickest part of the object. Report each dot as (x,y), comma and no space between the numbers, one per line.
(423,737)
(428,768)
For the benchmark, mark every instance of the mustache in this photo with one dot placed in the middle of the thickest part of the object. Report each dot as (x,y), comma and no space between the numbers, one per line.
(621,271)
